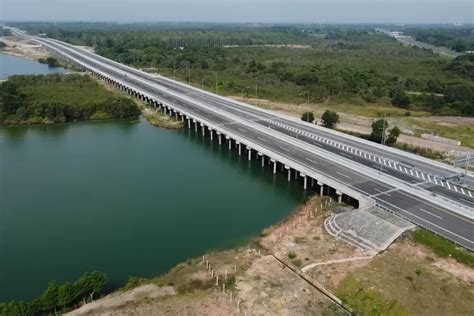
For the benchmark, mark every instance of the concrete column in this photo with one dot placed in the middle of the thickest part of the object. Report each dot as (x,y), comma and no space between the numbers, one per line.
(296,174)
(250,153)
(312,182)
(274,166)
(321,189)
(240,148)
(339,196)
(176,115)
(182,118)
(220,138)
(289,172)
(195,126)
(211,134)
(305,182)
(263,160)
(203,130)
(229,141)
(189,122)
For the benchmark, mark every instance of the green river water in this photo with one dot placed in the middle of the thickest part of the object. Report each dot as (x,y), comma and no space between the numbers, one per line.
(125,198)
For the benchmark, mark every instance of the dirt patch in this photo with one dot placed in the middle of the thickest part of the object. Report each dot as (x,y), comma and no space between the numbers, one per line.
(268,287)
(23,48)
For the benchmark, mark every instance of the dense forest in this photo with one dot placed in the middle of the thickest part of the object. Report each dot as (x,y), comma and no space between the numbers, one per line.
(31,99)
(460,39)
(295,63)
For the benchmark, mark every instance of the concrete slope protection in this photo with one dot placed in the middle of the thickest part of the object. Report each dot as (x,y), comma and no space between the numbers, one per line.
(315,163)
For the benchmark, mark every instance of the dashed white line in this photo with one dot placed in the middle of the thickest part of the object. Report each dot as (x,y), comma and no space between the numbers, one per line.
(344,175)
(439,217)
(346,155)
(284,149)
(243,131)
(263,140)
(470,202)
(310,160)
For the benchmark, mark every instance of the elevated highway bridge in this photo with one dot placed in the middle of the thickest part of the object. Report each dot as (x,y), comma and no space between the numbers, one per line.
(352,170)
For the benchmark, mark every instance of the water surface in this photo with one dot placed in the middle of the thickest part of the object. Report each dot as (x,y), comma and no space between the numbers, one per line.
(13,65)
(122,197)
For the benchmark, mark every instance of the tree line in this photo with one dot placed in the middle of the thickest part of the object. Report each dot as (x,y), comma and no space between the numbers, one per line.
(343,64)
(57,298)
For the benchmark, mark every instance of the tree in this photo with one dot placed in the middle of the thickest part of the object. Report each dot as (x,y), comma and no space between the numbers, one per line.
(89,284)
(65,295)
(330,119)
(378,128)
(393,136)
(401,99)
(49,298)
(308,117)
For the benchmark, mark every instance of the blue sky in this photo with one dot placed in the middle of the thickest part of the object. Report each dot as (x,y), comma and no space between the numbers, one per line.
(270,11)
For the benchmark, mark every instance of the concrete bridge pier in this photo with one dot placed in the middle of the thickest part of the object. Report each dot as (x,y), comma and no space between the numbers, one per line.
(189,122)
(250,152)
(240,148)
(229,141)
(289,172)
(274,166)
(176,115)
(339,196)
(219,136)
(211,134)
(296,174)
(195,126)
(321,188)
(203,128)
(312,182)
(305,181)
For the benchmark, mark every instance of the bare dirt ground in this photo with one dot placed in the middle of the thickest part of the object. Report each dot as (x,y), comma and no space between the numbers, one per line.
(23,48)
(351,121)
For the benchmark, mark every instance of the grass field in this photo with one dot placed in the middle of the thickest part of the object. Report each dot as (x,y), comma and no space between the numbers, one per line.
(404,281)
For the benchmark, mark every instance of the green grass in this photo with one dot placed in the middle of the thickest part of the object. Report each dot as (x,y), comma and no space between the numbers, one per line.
(443,247)
(461,132)
(367,301)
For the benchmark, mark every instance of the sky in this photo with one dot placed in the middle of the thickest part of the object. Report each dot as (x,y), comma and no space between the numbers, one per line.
(265,11)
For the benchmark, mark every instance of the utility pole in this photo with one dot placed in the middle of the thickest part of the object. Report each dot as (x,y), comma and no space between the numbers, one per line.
(216,82)
(383,138)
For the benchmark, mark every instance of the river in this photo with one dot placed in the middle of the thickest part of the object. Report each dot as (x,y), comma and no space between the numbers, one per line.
(125,198)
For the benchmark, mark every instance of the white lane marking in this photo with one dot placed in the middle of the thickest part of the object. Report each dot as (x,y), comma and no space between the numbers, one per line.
(263,140)
(470,202)
(382,192)
(284,149)
(310,160)
(341,174)
(439,217)
(346,155)
(421,218)
(243,131)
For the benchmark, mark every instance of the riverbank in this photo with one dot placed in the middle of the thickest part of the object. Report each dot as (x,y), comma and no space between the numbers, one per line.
(266,278)
(159,119)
